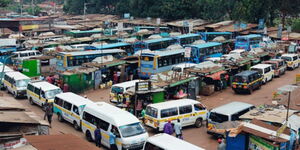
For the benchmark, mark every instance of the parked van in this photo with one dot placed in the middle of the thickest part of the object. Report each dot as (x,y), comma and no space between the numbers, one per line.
(69,106)
(246,81)
(167,142)
(265,70)
(228,112)
(278,66)
(129,131)
(181,67)
(16,83)
(40,91)
(26,54)
(6,69)
(120,88)
(292,60)
(190,112)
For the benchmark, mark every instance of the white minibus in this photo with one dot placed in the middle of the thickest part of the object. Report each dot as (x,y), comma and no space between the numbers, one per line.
(69,106)
(190,112)
(130,133)
(120,88)
(16,83)
(266,70)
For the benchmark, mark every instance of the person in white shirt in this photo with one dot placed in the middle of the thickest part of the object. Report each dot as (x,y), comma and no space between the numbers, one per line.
(178,129)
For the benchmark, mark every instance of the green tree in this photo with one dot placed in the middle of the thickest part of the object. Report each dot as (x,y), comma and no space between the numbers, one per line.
(4,3)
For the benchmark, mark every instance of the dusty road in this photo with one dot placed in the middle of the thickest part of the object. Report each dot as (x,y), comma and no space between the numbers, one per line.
(193,135)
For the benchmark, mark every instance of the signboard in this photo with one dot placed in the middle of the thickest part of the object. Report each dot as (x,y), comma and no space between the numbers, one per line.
(143,86)
(157,21)
(257,143)
(31,68)
(279,32)
(187,53)
(297,78)
(261,24)
(280,130)
(126,15)
(120,26)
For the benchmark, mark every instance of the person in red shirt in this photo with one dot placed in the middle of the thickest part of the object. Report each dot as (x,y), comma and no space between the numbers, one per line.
(115,77)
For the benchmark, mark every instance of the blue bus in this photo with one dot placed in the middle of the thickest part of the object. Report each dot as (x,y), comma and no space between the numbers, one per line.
(70,60)
(154,62)
(120,45)
(248,42)
(187,38)
(209,36)
(200,52)
(154,44)
(7,47)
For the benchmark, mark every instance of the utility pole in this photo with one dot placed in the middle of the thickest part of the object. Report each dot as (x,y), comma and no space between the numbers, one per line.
(21,3)
(84,10)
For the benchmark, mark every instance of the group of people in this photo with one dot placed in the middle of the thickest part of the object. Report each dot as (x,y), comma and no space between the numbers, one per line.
(112,137)
(170,128)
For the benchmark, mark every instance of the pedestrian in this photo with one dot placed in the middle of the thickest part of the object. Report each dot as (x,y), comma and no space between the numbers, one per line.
(168,128)
(115,77)
(49,113)
(45,107)
(119,75)
(178,129)
(41,77)
(112,139)
(143,113)
(66,87)
(222,145)
(98,136)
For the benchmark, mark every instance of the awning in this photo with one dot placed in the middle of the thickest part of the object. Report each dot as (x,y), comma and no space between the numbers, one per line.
(116,64)
(182,81)
(216,76)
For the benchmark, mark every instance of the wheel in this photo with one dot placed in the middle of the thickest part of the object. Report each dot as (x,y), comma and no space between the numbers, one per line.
(265,81)
(250,91)
(30,101)
(76,126)
(88,136)
(236,92)
(60,118)
(198,122)
(15,95)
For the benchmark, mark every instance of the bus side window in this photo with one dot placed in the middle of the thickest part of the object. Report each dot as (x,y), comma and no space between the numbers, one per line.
(149,146)
(37,91)
(75,110)
(198,107)
(43,94)
(67,105)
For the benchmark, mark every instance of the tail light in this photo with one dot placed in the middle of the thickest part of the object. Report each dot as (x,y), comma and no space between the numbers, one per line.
(234,86)
(245,86)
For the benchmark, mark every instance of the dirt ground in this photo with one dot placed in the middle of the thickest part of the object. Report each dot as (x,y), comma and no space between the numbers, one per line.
(197,136)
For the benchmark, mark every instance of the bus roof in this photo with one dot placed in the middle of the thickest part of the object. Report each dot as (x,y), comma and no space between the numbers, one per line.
(249,36)
(172,143)
(107,51)
(205,45)
(118,116)
(173,103)
(187,35)
(17,75)
(261,66)
(158,40)
(231,108)
(44,85)
(246,73)
(127,84)
(217,33)
(113,45)
(74,98)
(163,53)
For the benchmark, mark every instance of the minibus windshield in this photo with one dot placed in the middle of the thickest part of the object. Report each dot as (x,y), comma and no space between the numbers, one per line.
(22,83)
(132,129)
(50,94)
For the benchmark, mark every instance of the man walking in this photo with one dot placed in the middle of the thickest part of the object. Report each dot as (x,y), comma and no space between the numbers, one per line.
(168,128)
(49,113)
(98,137)
(112,139)
(178,129)
(45,107)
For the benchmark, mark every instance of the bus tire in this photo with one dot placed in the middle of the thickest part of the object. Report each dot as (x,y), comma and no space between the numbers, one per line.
(60,118)
(30,101)
(199,122)
(88,136)
(76,126)
(15,95)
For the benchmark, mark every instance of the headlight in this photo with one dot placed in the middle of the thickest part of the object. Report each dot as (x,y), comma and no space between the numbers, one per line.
(126,146)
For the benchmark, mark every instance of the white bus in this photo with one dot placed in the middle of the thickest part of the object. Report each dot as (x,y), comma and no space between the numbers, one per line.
(16,83)
(130,132)
(69,106)
(40,91)
(190,112)
(120,88)
(167,142)
(6,69)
